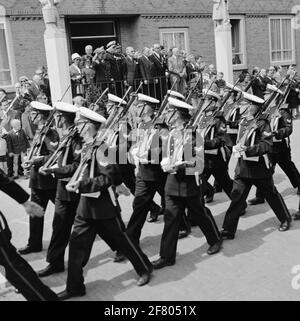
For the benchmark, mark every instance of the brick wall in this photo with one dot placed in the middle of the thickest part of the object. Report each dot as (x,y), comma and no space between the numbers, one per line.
(200,31)
(28,44)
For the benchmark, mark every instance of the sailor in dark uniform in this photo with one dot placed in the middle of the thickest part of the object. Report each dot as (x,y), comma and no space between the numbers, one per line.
(253,168)
(63,164)
(17,271)
(183,163)
(281,121)
(43,188)
(97,213)
(150,177)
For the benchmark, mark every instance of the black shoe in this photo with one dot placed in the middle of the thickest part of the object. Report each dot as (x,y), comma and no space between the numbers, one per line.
(243,212)
(51,269)
(29,249)
(65,295)
(296,216)
(119,257)
(183,233)
(17,291)
(227,235)
(256,200)
(144,279)
(160,263)
(284,226)
(215,248)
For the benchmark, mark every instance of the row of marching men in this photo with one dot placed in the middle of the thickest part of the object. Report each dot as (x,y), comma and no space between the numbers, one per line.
(174,150)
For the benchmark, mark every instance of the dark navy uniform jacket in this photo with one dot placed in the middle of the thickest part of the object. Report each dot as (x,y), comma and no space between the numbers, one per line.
(255,164)
(102,204)
(45,182)
(70,157)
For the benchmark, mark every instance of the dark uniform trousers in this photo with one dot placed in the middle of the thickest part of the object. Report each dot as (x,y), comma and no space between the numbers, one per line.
(18,272)
(284,160)
(36,224)
(240,191)
(175,209)
(64,215)
(81,241)
(144,193)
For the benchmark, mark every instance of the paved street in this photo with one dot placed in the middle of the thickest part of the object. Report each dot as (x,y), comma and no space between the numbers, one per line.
(257,265)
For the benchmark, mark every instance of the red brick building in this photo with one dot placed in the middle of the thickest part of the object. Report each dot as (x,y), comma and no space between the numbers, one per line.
(264,32)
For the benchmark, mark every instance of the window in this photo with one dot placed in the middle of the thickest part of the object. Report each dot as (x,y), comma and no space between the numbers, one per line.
(6,53)
(238,42)
(174,37)
(282,47)
(92,32)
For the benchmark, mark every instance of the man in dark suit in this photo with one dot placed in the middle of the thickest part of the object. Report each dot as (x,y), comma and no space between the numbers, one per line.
(147,73)
(131,69)
(159,71)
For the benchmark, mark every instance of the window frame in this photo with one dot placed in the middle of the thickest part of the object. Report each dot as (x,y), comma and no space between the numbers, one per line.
(242,41)
(10,51)
(293,35)
(94,37)
(173,30)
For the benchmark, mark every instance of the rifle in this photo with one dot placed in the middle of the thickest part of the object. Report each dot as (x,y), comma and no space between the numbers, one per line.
(38,141)
(100,138)
(193,122)
(163,105)
(101,96)
(65,141)
(193,89)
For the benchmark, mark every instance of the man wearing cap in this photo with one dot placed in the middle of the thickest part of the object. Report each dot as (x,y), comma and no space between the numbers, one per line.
(63,166)
(217,153)
(253,168)
(17,271)
(150,177)
(111,67)
(183,164)
(97,211)
(43,188)
(281,121)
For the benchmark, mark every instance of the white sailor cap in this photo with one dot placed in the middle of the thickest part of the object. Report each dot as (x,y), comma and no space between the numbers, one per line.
(274,88)
(116,99)
(41,107)
(232,87)
(148,99)
(91,116)
(65,107)
(179,104)
(253,98)
(111,43)
(175,94)
(210,93)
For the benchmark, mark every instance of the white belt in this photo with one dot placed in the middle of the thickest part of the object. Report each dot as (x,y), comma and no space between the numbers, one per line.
(211,151)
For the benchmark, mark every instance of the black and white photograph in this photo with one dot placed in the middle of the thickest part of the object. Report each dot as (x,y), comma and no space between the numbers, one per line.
(149,153)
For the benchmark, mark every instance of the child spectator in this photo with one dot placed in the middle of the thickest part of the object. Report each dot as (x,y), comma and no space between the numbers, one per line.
(3,150)
(221,83)
(17,145)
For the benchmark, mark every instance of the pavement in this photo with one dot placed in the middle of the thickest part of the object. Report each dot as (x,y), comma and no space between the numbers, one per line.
(261,263)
